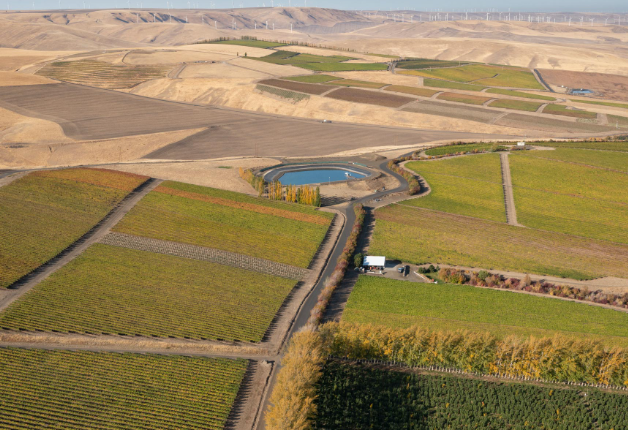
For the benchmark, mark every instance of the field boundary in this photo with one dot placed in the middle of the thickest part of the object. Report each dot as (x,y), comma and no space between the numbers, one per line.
(30,280)
(203,253)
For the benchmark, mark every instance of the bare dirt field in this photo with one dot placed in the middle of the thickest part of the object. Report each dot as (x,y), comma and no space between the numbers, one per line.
(452,111)
(550,125)
(62,151)
(9,79)
(16,129)
(613,87)
(88,113)
(369,97)
(15,59)
(220,71)
(221,174)
(297,86)
(269,68)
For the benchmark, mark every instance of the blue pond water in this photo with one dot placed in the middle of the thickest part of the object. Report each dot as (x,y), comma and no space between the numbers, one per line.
(318,176)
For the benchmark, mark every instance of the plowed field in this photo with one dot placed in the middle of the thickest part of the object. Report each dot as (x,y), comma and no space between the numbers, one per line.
(369,97)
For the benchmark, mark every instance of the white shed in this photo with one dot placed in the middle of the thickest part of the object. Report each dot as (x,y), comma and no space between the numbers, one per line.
(374,261)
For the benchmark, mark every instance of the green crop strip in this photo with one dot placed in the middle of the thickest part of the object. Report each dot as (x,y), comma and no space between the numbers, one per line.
(45,212)
(122,291)
(469,186)
(405,304)
(80,390)
(354,396)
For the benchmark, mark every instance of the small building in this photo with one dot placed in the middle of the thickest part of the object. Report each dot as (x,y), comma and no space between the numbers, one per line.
(372,262)
(521,144)
(581,92)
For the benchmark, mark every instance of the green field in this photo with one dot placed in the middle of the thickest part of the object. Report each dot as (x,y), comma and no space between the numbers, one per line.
(496,76)
(516,105)
(351,396)
(355,83)
(416,91)
(424,63)
(600,146)
(452,149)
(45,212)
(117,290)
(435,83)
(604,159)
(396,303)
(519,94)
(596,102)
(343,67)
(90,390)
(617,121)
(281,232)
(421,236)
(313,79)
(319,63)
(591,203)
(562,110)
(464,98)
(469,186)
(252,43)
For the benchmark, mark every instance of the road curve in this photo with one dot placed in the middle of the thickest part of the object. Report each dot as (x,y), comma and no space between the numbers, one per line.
(304,313)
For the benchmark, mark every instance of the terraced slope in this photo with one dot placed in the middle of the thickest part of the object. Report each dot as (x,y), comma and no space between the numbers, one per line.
(102,74)
(90,390)
(44,212)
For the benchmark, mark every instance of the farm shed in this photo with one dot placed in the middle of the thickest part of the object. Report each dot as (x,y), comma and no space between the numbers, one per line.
(374,262)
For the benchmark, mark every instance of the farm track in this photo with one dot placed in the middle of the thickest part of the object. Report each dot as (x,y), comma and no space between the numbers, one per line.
(509,197)
(26,283)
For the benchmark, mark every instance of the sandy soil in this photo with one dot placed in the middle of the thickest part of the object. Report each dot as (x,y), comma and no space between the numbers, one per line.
(66,152)
(15,59)
(241,95)
(172,57)
(12,78)
(495,51)
(16,128)
(220,71)
(206,173)
(269,68)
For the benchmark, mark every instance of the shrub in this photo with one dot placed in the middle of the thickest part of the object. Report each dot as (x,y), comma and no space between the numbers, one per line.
(357,259)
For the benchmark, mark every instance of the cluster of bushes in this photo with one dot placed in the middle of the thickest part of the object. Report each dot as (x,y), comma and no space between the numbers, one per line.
(414,186)
(305,195)
(428,270)
(487,279)
(557,359)
(341,268)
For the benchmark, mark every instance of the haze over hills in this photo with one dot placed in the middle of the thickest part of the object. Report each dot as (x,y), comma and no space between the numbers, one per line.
(597,48)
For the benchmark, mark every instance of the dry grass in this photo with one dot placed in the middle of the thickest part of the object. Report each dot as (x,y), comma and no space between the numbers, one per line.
(464,98)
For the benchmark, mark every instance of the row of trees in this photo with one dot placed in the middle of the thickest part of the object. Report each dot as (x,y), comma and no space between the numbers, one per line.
(558,358)
(305,195)
(292,399)
(490,280)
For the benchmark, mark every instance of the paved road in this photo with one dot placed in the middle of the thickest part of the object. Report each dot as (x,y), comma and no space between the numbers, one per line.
(25,284)
(304,314)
